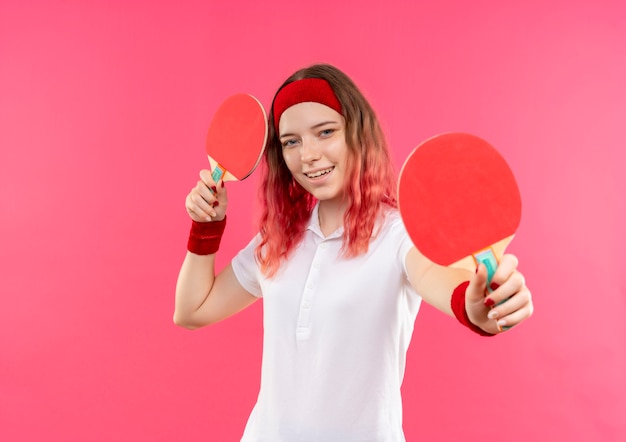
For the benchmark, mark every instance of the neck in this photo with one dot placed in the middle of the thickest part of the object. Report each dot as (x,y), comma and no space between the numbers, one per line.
(330,215)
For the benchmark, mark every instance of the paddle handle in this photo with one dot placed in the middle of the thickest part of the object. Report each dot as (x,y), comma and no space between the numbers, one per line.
(217,172)
(488,258)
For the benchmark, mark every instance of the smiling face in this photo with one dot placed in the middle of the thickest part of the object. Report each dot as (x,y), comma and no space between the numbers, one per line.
(314,147)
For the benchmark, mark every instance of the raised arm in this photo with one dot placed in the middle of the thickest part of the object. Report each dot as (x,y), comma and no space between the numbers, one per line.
(202,298)
(436,284)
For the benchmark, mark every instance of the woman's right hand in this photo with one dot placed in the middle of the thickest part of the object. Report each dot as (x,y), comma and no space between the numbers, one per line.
(208,200)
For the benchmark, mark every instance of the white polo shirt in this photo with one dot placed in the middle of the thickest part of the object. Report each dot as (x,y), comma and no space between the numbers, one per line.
(336,332)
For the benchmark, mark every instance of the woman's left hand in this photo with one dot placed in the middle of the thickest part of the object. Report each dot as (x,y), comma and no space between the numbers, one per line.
(490,312)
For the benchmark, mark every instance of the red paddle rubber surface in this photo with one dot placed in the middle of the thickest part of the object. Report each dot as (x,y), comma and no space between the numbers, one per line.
(237,135)
(457,195)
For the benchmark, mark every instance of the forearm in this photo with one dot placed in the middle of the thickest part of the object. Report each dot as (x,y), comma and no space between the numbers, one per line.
(439,284)
(195,280)
(433,282)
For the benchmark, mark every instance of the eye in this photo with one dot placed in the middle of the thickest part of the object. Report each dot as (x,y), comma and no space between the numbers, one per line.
(290,142)
(327,133)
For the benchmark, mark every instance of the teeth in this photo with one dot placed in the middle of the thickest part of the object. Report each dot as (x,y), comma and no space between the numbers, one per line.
(319,173)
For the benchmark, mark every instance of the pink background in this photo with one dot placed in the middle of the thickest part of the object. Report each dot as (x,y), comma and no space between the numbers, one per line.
(103,111)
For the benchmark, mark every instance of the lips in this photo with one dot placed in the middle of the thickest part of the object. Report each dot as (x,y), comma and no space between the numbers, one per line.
(319,173)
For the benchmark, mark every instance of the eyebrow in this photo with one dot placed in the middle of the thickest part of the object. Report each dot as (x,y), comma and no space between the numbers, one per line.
(323,123)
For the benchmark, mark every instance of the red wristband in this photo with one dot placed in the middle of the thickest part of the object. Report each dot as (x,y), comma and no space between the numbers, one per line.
(458,308)
(204,238)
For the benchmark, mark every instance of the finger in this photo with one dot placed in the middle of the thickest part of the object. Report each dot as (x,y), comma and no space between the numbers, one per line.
(478,284)
(194,211)
(205,203)
(197,205)
(514,310)
(499,293)
(207,193)
(510,304)
(221,198)
(512,319)
(220,189)
(207,178)
(506,267)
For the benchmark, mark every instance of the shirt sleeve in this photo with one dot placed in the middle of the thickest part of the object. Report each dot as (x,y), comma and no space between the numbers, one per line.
(246,268)
(404,245)
(400,236)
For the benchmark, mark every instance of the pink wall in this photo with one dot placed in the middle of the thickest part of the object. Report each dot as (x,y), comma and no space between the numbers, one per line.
(103,110)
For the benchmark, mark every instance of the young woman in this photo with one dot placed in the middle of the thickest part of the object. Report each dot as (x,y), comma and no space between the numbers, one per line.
(340,280)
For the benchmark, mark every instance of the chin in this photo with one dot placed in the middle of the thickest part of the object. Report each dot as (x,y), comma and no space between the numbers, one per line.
(326,196)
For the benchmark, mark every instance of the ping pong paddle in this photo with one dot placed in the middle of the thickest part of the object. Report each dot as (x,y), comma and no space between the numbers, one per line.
(459,201)
(236,138)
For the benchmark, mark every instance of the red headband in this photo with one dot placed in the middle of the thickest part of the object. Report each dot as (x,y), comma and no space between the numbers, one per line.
(315,90)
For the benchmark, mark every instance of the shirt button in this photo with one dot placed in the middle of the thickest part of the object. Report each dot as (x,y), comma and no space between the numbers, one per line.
(323,245)
(307,304)
(316,266)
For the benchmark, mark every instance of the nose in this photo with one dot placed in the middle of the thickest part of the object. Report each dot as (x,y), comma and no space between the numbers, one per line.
(309,152)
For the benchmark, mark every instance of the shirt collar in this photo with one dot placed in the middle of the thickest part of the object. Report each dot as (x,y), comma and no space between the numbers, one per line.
(314,225)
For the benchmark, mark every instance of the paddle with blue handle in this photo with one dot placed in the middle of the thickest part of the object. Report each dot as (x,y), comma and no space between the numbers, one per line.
(236,138)
(459,201)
